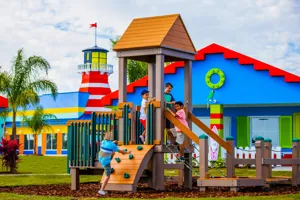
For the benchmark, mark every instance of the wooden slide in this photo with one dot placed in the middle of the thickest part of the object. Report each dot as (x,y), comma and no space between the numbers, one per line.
(171,117)
(133,167)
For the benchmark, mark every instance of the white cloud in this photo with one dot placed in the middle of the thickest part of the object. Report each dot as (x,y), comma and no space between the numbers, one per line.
(263,29)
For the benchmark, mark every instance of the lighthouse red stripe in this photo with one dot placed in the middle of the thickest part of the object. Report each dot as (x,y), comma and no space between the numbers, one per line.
(96,91)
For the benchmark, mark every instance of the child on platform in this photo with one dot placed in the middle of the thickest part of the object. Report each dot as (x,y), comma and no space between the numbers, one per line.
(143,116)
(106,154)
(181,116)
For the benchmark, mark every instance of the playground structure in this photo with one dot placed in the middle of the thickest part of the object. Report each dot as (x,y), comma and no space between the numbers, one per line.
(157,40)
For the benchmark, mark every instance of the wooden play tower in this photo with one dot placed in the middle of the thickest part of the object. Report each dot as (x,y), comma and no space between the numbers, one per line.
(157,40)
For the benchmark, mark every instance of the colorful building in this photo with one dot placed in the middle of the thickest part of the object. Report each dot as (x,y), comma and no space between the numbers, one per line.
(3,105)
(67,106)
(241,96)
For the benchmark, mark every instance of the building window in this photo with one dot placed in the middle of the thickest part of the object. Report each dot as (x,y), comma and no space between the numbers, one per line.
(267,127)
(28,142)
(87,56)
(64,141)
(51,141)
(99,57)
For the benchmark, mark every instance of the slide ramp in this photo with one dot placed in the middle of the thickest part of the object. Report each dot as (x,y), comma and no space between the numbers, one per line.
(133,167)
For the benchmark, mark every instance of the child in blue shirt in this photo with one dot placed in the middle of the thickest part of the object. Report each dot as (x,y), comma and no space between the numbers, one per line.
(106,153)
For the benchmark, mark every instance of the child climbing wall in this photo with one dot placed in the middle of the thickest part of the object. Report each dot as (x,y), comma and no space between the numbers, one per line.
(106,153)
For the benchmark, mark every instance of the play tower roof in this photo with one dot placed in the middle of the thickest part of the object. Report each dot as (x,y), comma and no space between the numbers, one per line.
(166,31)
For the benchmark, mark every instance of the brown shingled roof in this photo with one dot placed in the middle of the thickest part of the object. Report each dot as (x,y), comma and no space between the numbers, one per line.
(160,31)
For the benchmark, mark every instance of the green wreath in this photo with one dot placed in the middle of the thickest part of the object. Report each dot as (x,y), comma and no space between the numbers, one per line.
(221,81)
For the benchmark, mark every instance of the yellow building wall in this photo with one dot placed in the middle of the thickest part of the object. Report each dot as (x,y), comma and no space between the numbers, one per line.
(57,129)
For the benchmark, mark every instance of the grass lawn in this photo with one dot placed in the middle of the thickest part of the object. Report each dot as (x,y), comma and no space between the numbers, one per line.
(9,196)
(37,170)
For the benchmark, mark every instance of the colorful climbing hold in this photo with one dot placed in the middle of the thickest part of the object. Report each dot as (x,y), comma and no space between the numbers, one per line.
(118,159)
(126,175)
(139,148)
(125,150)
(112,170)
(130,156)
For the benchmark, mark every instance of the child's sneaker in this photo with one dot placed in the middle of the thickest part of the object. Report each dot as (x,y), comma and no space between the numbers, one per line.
(101,192)
(142,139)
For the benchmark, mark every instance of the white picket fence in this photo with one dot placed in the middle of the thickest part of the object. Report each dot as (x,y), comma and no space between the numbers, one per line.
(246,153)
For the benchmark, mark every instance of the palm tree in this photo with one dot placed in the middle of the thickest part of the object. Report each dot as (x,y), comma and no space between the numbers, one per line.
(22,84)
(38,122)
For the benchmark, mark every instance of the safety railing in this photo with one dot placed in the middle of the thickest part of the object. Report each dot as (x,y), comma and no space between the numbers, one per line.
(103,68)
(103,122)
(81,148)
(127,124)
(149,123)
(139,129)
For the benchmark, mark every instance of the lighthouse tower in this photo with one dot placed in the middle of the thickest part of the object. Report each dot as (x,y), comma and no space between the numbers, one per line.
(95,72)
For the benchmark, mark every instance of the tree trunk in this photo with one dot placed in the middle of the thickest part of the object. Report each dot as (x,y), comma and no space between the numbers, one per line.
(34,144)
(14,127)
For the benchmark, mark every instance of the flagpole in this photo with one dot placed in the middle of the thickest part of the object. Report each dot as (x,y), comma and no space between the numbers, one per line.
(96,35)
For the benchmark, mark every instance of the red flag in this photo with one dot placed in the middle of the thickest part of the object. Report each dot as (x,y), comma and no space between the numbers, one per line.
(93,25)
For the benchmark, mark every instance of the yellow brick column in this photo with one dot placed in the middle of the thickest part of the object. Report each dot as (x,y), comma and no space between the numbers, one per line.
(59,143)
(44,143)
(21,142)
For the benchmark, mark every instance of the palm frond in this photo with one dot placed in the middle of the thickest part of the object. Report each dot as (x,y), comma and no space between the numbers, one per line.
(26,98)
(38,121)
(18,61)
(5,83)
(44,85)
(36,64)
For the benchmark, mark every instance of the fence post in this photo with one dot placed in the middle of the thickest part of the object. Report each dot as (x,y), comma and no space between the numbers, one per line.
(259,145)
(295,168)
(230,158)
(203,166)
(267,169)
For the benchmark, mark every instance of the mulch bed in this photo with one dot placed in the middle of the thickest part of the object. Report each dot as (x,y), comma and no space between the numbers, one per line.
(171,190)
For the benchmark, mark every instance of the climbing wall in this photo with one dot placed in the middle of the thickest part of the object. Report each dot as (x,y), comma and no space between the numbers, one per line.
(128,168)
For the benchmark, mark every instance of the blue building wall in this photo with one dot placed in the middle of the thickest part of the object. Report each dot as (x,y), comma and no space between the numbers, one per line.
(63,100)
(243,85)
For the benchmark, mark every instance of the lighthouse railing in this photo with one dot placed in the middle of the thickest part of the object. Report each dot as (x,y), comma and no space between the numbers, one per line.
(108,68)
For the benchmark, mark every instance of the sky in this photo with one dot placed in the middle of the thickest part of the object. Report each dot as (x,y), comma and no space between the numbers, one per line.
(58,30)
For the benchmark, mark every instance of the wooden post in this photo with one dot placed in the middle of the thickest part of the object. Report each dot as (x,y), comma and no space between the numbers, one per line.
(203,166)
(259,145)
(122,93)
(295,168)
(159,94)
(230,159)
(75,178)
(267,169)
(151,79)
(158,158)
(188,101)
